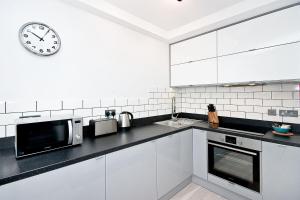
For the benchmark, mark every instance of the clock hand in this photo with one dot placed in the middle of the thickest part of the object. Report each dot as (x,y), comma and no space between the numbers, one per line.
(42,39)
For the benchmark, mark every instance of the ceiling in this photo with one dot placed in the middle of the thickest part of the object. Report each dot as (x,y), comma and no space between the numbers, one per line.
(171,14)
(171,21)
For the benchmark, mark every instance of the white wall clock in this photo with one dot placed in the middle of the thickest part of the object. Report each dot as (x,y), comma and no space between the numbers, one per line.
(39,39)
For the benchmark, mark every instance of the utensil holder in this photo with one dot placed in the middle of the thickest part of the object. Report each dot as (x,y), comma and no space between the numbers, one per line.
(213,118)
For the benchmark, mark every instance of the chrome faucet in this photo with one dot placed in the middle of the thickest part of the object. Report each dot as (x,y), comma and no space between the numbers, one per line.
(174,115)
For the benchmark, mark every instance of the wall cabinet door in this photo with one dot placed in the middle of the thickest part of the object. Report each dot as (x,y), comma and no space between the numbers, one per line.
(174,161)
(200,153)
(269,30)
(131,173)
(76,182)
(275,63)
(280,172)
(195,73)
(197,48)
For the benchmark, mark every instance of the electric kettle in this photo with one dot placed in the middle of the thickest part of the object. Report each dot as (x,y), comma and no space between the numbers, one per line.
(125,120)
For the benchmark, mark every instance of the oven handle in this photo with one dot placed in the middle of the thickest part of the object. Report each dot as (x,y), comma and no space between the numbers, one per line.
(70,131)
(239,150)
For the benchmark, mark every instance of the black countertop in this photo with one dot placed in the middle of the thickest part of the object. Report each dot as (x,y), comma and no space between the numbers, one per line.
(12,170)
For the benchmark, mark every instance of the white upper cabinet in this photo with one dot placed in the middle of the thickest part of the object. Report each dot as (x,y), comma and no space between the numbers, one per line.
(202,72)
(273,29)
(84,180)
(197,48)
(280,172)
(275,63)
(131,173)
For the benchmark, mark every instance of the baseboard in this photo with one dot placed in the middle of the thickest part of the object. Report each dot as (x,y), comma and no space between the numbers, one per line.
(177,189)
(217,189)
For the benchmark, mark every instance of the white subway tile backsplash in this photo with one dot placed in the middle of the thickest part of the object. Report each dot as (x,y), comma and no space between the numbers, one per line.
(224,113)
(153,101)
(91,103)
(2,132)
(261,109)
(153,113)
(290,87)
(190,110)
(205,95)
(246,95)
(282,95)
(195,95)
(262,95)
(200,89)
(10,118)
(291,120)
(230,107)
(99,111)
(49,105)
(199,101)
(140,108)
(245,108)
(61,112)
(2,107)
(10,130)
(266,117)
(20,106)
(217,95)
(72,104)
(272,87)
(291,103)
(42,113)
(272,103)
(223,89)
(296,95)
(237,101)
(237,89)
(211,101)
(230,95)
(257,116)
(109,102)
(87,112)
(238,114)
(201,111)
(127,108)
(254,102)
(223,101)
(121,101)
(195,105)
(258,88)
(211,89)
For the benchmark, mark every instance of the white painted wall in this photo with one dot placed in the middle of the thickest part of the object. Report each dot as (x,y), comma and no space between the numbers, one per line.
(98,58)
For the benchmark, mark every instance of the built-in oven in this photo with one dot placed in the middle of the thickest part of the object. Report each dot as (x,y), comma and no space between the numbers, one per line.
(40,134)
(235,159)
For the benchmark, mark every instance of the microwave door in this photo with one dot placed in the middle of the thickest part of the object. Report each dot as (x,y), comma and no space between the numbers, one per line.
(70,127)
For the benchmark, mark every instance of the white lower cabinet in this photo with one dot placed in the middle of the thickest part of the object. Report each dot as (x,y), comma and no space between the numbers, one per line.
(200,153)
(280,172)
(131,173)
(174,161)
(84,180)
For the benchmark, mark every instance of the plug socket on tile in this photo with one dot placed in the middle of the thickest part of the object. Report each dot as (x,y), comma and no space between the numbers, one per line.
(288,113)
(272,112)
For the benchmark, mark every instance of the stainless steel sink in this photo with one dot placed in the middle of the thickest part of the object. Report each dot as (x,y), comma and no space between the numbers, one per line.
(179,123)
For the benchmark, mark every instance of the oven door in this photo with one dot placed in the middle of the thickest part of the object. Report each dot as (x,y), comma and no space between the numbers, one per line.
(235,164)
(38,137)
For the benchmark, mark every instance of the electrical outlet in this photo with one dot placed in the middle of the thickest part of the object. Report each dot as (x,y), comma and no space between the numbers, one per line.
(110,113)
(288,113)
(272,112)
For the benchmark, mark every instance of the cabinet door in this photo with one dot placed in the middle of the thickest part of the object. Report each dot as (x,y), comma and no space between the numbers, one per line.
(76,182)
(131,173)
(196,73)
(197,48)
(269,30)
(275,63)
(200,153)
(174,161)
(280,172)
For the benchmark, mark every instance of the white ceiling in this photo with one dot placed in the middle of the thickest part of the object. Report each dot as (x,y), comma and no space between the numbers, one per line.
(171,14)
(171,21)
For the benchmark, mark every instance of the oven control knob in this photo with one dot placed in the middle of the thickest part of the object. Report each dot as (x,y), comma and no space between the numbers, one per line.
(78,137)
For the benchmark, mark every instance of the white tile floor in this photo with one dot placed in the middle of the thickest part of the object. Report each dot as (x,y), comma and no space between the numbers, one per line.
(196,192)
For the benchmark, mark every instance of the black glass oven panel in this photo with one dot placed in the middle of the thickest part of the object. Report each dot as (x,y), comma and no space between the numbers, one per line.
(37,137)
(234,166)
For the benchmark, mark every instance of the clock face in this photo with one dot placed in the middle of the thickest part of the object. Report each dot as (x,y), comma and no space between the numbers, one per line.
(39,39)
